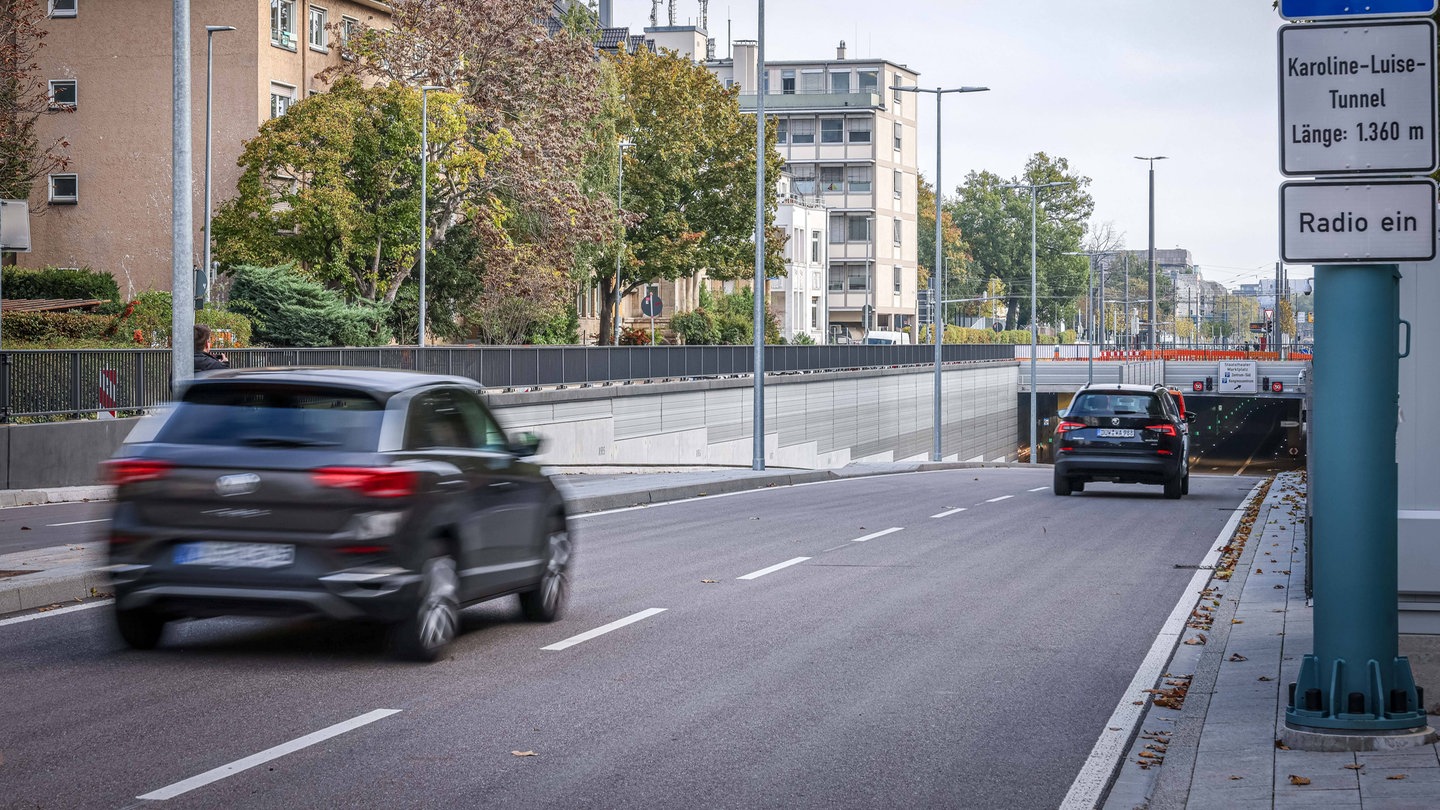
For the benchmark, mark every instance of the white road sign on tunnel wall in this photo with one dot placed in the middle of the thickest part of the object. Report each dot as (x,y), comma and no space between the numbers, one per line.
(1358,98)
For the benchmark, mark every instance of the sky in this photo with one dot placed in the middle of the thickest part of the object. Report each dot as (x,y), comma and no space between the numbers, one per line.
(1094,81)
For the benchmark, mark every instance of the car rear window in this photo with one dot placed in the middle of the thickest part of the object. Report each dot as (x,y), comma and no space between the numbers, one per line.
(1117,404)
(284,416)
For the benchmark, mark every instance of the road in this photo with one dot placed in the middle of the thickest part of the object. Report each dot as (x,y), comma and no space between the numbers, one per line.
(950,639)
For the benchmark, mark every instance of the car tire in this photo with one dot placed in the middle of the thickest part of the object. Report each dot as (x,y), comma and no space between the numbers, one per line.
(140,628)
(434,618)
(1174,487)
(1077,486)
(1062,485)
(1185,484)
(546,602)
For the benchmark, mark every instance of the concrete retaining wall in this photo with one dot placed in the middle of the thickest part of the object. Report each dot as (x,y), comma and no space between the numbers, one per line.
(58,454)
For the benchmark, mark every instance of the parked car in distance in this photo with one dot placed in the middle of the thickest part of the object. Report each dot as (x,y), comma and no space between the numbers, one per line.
(386,496)
(880,337)
(1128,434)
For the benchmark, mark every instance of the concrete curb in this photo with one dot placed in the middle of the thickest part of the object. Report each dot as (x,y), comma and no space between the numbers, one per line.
(35,497)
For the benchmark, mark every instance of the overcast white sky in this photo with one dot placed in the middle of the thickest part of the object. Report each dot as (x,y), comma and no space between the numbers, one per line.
(1094,81)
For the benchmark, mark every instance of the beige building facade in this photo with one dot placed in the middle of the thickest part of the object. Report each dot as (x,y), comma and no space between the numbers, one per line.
(111,208)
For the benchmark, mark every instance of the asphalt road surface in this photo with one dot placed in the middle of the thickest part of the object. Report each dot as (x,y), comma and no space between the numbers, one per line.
(944,639)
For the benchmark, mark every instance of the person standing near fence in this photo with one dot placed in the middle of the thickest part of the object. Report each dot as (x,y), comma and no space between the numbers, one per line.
(204,359)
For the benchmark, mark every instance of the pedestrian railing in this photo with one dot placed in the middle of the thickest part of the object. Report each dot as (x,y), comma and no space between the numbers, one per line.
(76,382)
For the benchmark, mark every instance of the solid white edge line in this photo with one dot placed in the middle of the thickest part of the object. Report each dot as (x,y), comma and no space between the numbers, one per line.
(56,612)
(77,522)
(1001,498)
(216,774)
(949,512)
(881,533)
(603,629)
(772,569)
(1094,776)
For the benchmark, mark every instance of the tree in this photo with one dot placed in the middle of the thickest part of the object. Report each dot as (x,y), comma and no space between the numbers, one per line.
(996,225)
(24,98)
(334,186)
(533,101)
(689,178)
(959,283)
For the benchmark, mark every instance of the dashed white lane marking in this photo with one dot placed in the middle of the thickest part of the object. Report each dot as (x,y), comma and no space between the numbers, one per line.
(949,512)
(1037,489)
(1110,748)
(216,774)
(772,569)
(1001,498)
(57,612)
(874,535)
(77,522)
(603,629)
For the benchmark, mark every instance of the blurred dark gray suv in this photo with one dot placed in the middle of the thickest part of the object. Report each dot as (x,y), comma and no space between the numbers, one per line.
(352,494)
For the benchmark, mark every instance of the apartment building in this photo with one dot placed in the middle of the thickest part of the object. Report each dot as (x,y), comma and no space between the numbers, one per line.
(112,60)
(799,298)
(850,142)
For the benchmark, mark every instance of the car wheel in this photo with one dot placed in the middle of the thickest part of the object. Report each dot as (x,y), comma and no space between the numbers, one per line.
(1077,486)
(435,618)
(1174,487)
(546,602)
(141,629)
(1185,484)
(1062,485)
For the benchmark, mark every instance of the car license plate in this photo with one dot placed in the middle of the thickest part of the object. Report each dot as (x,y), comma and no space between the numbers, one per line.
(1116,433)
(235,555)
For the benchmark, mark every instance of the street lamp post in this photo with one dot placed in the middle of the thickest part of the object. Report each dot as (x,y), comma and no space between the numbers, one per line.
(210,32)
(620,246)
(935,325)
(1089,303)
(424,191)
(1151,161)
(1033,188)
(757,419)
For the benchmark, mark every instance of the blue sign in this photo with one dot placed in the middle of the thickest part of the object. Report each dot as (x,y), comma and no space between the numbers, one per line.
(1331,9)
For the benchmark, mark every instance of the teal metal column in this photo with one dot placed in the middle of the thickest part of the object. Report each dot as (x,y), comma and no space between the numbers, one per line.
(1355,680)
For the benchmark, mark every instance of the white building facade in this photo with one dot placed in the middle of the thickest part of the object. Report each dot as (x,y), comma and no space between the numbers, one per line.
(799,298)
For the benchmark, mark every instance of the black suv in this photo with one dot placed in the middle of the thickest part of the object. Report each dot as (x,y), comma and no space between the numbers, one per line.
(1128,434)
(344,493)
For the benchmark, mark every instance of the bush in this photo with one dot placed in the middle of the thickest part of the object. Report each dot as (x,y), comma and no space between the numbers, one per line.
(286,309)
(53,328)
(1069,336)
(635,336)
(696,327)
(57,282)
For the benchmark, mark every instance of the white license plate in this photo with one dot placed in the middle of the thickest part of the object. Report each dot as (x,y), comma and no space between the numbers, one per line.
(1115,433)
(235,555)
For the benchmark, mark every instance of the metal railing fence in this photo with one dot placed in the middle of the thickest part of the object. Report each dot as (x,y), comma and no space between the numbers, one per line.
(75,382)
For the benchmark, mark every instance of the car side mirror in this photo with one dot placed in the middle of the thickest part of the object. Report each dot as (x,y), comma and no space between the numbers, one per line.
(1189,416)
(524,445)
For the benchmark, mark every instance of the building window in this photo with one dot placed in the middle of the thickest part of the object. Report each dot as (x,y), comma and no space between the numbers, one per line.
(896,95)
(859,130)
(812,81)
(349,27)
(858,278)
(899,180)
(858,179)
(899,130)
(857,227)
(64,189)
(814,247)
(832,130)
(869,81)
(281,97)
(898,231)
(798,243)
(282,23)
(787,82)
(832,178)
(837,278)
(782,130)
(62,8)
(897,277)
(319,37)
(63,94)
(802,130)
(837,228)
(814,313)
(802,178)
(840,81)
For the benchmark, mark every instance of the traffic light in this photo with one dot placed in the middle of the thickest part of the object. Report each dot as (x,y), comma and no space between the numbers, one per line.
(1264,383)
(1209,383)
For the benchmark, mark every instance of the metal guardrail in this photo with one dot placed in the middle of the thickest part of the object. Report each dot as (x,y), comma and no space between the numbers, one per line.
(73,382)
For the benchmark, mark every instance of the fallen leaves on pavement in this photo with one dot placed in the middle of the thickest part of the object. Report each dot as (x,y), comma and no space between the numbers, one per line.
(1298,780)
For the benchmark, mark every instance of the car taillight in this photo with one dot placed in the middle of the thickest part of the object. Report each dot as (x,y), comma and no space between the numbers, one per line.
(134,470)
(363,549)
(1066,427)
(1164,430)
(375,482)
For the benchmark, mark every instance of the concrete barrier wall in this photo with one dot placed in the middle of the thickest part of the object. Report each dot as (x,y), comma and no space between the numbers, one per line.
(59,454)
(811,421)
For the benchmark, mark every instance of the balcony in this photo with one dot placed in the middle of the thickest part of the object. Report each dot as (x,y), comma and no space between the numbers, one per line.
(781,102)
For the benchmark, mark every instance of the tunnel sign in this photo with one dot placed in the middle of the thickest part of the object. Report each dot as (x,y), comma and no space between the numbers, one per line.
(1238,377)
(1357,223)
(1358,99)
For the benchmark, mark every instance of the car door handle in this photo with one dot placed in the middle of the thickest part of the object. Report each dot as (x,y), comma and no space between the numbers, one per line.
(502,484)
(453,482)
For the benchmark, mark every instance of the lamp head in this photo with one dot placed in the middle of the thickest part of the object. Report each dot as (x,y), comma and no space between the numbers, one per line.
(430,88)
(215,29)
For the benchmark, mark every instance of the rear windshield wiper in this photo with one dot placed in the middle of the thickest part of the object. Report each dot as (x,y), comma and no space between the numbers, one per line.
(285,441)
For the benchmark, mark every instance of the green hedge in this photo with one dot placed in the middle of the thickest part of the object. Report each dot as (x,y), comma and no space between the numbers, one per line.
(149,315)
(55,282)
(46,328)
